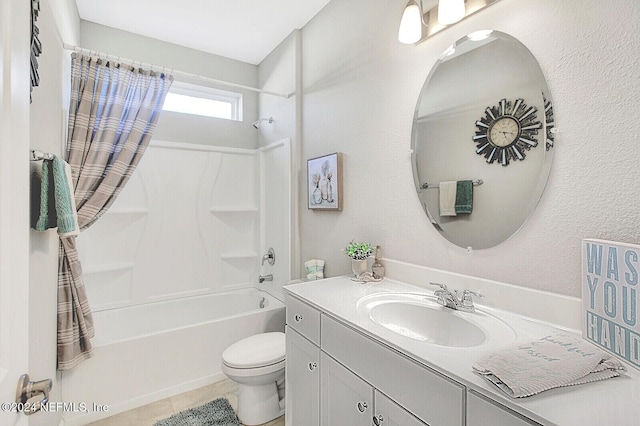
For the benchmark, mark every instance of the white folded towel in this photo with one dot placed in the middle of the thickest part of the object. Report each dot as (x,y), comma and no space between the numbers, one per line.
(315,269)
(554,361)
(448,198)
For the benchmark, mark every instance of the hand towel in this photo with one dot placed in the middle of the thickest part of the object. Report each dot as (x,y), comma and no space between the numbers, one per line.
(42,212)
(448,198)
(72,199)
(464,196)
(315,269)
(56,206)
(554,361)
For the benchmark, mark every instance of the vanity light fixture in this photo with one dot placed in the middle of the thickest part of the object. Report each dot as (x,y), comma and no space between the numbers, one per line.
(411,23)
(417,25)
(450,11)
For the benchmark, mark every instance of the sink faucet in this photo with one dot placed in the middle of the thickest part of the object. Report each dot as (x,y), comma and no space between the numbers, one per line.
(263,278)
(452,301)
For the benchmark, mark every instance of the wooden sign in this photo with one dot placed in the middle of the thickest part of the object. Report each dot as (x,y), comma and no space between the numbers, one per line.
(610,297)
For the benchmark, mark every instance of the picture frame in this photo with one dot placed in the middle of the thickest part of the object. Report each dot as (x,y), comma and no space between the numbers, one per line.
(324,182)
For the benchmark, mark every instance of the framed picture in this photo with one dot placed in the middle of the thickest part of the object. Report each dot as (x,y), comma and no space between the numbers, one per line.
(324,182)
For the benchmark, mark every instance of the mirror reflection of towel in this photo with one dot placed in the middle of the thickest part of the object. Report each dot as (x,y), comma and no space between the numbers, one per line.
(464,197)
(448,198)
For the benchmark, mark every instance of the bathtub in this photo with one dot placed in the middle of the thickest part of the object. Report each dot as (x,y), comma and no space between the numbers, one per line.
(153,351)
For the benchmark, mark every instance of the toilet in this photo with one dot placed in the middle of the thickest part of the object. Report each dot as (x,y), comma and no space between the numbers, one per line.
(256,363)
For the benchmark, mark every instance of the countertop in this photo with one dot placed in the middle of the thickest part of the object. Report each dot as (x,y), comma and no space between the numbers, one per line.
(608,402)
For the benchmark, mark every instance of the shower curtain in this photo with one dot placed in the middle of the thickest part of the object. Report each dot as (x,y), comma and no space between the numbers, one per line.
(112,115)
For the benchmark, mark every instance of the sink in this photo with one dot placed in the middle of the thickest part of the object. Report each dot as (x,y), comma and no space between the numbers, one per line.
(420,317)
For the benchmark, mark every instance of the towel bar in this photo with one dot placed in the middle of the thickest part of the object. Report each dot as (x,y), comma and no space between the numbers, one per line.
(39,155)
(427,185)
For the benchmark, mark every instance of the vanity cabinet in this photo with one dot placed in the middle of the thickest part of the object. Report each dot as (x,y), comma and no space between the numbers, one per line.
(347,399)
(482,411)
(330,382)
(302,371)
(429,395)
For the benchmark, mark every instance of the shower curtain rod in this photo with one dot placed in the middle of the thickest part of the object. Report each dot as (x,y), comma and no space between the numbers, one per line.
(175,72)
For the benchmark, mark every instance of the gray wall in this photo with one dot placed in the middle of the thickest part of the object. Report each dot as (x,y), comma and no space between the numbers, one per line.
(360,90)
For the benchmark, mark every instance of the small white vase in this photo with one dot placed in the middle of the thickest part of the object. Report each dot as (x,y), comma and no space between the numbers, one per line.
(358,267)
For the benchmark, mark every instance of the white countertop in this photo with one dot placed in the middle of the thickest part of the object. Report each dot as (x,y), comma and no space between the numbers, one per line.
(609,402)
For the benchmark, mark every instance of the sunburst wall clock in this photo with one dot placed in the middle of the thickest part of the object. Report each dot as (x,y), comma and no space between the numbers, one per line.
(507,131)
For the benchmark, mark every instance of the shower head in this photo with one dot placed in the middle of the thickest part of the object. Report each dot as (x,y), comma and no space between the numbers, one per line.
(256,124)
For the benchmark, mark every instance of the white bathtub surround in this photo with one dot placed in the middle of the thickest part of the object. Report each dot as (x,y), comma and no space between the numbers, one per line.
(193,219)
(152,351)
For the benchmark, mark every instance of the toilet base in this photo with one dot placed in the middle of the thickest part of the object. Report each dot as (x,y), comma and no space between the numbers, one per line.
(258,404)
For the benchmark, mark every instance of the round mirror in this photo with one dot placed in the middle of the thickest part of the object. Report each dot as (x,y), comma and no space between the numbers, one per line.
(482,139)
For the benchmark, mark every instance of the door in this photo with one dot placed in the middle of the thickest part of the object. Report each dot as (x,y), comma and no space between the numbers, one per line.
(303,381)
(346,398)
(14,202)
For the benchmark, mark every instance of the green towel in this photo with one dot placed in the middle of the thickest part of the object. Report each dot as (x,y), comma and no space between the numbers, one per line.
(56,208)
(464,196)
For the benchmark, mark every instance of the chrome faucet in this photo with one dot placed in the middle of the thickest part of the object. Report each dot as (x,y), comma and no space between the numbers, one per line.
(452,301)
(263,278)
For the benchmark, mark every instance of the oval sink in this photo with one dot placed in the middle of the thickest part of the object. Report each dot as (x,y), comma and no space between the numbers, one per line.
(419,317)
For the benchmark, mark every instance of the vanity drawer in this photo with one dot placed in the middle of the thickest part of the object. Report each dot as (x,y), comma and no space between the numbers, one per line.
(427,394)
(303,318)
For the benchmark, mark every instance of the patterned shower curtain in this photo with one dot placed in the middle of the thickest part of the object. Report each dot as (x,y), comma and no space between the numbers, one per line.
(112,115)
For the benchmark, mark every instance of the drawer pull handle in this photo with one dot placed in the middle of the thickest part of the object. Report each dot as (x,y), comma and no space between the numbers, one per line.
(362,406)
(313,366)
(377,420)
(298,318)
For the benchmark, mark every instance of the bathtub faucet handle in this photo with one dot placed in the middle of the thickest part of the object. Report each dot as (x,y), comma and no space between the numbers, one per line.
(263,278)
(270,256)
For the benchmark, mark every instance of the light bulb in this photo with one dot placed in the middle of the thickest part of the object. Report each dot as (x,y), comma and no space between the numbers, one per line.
(411,25)
(450,11)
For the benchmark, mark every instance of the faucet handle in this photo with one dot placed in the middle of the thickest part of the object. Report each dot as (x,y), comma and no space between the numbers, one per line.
(466,299)
(443,287)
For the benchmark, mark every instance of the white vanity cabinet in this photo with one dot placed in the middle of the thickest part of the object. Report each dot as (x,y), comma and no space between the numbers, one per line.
(302,366)
(482,411)
(337,376)
(388,413)
(346,399)
(303,380)
(430,396)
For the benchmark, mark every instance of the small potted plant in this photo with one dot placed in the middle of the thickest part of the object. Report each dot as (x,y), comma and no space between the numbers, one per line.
(358,252)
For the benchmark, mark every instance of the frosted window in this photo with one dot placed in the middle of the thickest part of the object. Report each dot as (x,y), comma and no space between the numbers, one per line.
(204,101)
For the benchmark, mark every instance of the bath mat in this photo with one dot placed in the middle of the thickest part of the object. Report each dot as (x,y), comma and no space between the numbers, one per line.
(217,412)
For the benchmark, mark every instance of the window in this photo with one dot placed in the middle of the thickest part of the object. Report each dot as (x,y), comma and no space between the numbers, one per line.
(205,101)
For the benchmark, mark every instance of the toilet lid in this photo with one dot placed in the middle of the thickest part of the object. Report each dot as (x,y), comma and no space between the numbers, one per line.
(256,351)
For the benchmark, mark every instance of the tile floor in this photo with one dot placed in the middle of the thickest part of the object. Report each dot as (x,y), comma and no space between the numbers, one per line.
(147,415)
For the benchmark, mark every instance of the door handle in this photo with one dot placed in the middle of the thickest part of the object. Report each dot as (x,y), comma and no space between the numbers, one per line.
(28,389)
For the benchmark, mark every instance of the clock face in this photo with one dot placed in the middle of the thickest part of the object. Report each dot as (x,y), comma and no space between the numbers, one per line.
(507,131)
(504,131)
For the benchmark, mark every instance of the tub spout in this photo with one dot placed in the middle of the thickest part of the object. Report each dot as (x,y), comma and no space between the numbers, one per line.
(263,278)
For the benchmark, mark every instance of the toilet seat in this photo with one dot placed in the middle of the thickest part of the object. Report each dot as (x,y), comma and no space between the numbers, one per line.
(256,352)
